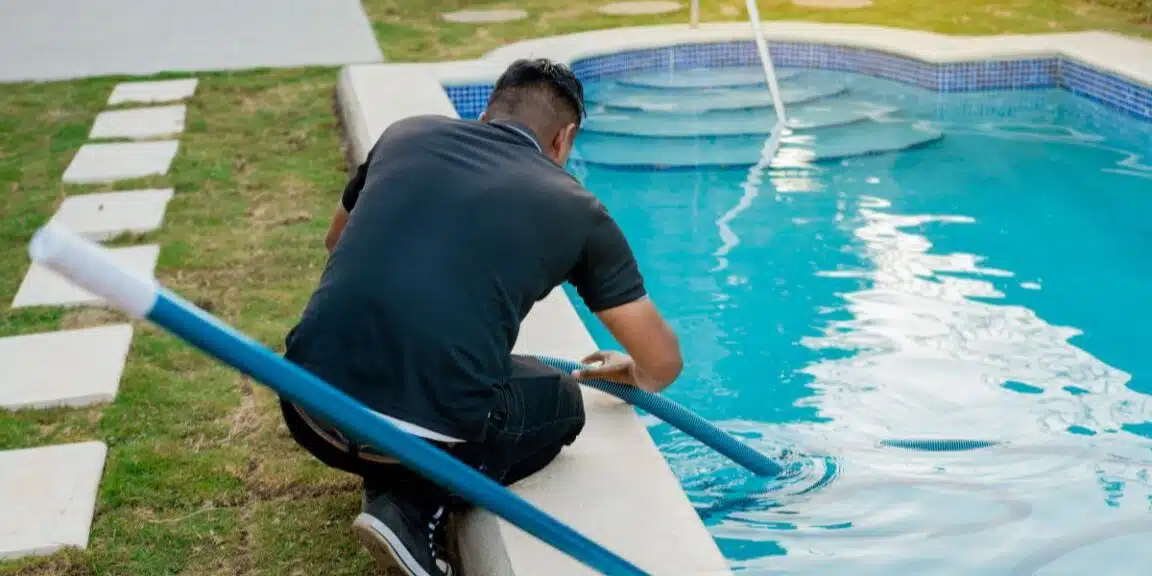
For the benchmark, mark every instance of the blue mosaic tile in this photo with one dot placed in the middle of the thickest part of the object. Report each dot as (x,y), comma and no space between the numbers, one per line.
(1020,74)
(469,100)
(1105,88)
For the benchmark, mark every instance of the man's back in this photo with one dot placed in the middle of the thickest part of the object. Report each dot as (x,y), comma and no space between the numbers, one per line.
(460,227)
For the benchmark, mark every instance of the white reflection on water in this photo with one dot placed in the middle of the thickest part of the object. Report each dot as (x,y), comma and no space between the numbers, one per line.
(941,358)
(930,362)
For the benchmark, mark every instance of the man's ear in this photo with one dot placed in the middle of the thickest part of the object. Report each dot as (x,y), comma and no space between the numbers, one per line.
(483,116)
(564,137)
(562,144)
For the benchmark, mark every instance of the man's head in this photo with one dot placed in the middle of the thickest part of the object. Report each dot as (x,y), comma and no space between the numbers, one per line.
(544,96)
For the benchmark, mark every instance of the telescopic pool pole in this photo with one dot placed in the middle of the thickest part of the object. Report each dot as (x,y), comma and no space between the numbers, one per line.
(92,267)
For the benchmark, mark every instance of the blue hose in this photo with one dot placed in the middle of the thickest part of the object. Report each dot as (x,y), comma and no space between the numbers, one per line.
(680,417)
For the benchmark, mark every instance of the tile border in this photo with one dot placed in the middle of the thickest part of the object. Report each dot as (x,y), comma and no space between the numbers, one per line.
(1116,92)
(1101,66)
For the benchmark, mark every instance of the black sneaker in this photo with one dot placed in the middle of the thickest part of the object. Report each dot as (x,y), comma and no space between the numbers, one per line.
(405,538)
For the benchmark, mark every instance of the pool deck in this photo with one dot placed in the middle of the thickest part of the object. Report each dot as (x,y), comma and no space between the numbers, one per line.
(613,485)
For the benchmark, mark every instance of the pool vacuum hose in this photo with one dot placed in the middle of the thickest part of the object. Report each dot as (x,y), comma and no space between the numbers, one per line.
(679,417)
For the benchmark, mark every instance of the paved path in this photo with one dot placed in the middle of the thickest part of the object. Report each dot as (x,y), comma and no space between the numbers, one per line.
(63,39)
(48,493)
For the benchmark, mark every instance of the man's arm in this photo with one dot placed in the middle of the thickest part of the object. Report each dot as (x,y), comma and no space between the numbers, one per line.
(336,228)
(347,202)
(652,345)
(609,281)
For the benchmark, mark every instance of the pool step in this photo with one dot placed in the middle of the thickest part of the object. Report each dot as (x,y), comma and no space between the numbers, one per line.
(827,144)
(705,78)
(614,97)
(748,122)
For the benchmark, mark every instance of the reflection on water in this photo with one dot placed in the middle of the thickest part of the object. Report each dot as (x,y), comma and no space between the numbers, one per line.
(990,289)
(919,326)
(933,356)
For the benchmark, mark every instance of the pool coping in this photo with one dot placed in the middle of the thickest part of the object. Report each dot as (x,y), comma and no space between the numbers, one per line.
(612,484)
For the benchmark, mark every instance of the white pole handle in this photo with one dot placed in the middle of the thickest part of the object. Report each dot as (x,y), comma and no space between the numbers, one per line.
(766,62)
(93,268)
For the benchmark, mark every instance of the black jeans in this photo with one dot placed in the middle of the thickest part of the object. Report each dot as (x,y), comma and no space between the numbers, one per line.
(537,412)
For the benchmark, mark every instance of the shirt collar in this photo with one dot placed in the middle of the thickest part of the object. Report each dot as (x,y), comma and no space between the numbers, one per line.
(520,129)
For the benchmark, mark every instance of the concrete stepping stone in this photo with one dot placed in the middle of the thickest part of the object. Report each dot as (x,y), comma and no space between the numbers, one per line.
(833,4)
(67,368)
(106,215)
(639,8)
(120,161)
(484,16)
(43,287)
(139,123)
(48,496)
(152,92)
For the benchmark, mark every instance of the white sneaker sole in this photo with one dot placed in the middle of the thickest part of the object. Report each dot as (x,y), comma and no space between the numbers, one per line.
(386,547)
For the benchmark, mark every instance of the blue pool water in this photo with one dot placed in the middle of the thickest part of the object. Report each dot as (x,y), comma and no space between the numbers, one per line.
(913,266)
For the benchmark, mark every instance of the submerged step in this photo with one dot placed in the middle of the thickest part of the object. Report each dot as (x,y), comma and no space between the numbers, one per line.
(697,78)
(743,122)
(616,97)
(858,139)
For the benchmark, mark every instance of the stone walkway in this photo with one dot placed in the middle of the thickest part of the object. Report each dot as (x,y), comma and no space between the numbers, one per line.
(48,494)
(58,40)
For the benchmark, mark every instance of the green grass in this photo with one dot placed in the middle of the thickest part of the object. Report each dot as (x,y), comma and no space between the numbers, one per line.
(198,465)
(201,477)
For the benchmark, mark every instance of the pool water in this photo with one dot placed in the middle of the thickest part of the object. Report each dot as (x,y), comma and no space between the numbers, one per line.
(912,266)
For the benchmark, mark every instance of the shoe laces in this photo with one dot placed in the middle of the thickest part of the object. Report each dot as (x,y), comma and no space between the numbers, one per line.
(438,542)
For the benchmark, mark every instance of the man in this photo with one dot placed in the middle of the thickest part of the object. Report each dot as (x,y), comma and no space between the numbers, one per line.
(443,241)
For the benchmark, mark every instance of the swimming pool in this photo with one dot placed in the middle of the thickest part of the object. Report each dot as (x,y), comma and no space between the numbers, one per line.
(914,265)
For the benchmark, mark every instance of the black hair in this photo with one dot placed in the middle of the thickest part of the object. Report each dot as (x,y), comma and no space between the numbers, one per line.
(539,91)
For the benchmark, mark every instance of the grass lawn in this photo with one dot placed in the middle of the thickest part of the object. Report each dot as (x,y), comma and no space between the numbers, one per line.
(201,478)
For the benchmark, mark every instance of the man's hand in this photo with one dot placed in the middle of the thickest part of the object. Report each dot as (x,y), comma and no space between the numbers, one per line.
(614,367)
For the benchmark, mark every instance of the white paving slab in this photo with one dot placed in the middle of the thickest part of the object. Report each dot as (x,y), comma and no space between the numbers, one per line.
(153,92)
(139,123)
(64,39)
(47,497)
(484,16)
(641,7)
(120,161)
(66,368)
(833,4)
(43,287)
(108,214)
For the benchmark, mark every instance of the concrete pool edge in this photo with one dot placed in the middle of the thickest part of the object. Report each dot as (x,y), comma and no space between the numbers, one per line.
(1126,57)
(1123,56)
(613,485)
(1109,68)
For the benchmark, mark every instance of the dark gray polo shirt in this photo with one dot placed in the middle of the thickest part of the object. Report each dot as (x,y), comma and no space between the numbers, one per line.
(457,228)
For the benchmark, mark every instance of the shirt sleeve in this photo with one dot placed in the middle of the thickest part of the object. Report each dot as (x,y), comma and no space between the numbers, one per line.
(354,186)
(606,274)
